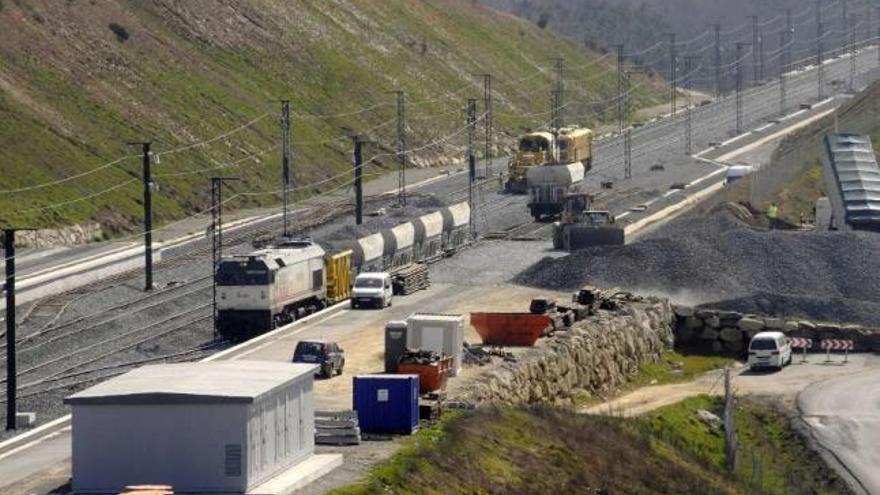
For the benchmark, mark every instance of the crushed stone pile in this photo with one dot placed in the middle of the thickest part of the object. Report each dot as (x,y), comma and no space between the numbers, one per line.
(717,261)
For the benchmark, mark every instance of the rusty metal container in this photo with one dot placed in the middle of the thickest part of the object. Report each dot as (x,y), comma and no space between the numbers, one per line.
(510,329)
(432,376)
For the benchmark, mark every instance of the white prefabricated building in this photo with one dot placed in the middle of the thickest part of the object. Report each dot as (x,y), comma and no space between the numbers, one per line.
(216,427)
(437,332)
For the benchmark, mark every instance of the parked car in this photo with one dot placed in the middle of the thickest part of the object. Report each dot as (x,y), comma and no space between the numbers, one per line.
(327,355)
(769,350)
(372,288)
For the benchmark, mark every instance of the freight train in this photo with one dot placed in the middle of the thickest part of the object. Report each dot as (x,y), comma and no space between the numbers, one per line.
(276,285)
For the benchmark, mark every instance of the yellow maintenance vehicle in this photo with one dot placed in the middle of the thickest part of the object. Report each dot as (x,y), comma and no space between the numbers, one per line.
(535,148)
(568,145)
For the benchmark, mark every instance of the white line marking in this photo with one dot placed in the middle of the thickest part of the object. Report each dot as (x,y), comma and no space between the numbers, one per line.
(298,330)
(35,442)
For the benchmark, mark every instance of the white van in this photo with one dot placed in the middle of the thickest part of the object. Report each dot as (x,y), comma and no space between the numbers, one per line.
(769,350)
(372,289)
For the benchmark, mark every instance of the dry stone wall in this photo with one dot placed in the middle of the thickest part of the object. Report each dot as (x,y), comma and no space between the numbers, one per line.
(592,357)
(730,331)
(71,235)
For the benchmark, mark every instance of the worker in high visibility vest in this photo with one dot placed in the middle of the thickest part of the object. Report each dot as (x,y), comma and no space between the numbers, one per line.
(773,215)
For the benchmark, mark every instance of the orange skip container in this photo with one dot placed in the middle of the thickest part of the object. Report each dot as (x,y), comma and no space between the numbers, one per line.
(432,376)
(510,329)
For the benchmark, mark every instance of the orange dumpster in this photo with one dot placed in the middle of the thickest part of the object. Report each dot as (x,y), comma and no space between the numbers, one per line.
(510,329)
(432,376)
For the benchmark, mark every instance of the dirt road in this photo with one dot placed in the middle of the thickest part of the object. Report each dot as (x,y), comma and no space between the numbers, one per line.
(786,384)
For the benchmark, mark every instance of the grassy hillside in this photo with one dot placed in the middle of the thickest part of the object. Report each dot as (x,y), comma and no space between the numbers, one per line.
(548,450)
(81,78)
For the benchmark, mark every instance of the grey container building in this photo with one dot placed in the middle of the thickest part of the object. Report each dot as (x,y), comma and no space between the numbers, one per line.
(216,427)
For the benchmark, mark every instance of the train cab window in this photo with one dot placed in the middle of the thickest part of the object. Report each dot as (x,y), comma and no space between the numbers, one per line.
(317,278)
(233,273)
(533,145)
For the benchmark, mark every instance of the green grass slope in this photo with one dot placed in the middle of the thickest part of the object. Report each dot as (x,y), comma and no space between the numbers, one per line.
(551,450)
(81,78)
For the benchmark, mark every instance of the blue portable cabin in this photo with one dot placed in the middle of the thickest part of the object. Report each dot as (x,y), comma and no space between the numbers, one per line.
(387,403)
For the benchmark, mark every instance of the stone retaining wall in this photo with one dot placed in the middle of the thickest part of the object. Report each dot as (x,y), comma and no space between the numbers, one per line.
(71,235)
(592,357)
(730,332)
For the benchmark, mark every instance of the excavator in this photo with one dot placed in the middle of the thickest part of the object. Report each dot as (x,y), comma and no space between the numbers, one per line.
(581,227)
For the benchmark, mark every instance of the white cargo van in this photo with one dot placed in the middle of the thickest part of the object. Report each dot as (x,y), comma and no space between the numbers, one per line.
(769,350)
(372,289)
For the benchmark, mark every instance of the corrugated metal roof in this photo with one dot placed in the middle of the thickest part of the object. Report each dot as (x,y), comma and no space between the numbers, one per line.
(858,176)
(187,383)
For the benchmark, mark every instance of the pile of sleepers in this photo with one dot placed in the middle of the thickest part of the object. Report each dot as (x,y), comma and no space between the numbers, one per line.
(410,279)
(337,428)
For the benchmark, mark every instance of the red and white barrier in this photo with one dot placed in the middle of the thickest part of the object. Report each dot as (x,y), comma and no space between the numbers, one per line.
(837,345)
(801,343)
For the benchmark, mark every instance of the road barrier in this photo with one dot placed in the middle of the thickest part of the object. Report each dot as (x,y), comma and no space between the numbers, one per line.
(801,343)
(837,345)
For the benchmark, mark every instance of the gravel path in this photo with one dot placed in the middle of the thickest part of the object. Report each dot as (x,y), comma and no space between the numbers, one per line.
(717,261)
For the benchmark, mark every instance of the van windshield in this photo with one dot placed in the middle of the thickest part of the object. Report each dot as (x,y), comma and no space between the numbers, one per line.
(368,283)
(763,345)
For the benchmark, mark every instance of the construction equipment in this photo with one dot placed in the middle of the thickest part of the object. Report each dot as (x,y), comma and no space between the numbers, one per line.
(536,148)
(575,144)
(581,227)
(568,145)
(549,184)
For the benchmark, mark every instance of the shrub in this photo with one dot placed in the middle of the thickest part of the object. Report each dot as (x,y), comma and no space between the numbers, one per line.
(120,32)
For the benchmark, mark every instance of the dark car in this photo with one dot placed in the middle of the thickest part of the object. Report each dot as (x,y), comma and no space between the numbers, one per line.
(327,355)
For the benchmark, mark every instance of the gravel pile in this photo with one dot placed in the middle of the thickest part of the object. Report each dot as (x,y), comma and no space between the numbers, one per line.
(717,261)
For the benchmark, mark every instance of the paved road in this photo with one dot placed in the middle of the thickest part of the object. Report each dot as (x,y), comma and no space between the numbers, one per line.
(844,417)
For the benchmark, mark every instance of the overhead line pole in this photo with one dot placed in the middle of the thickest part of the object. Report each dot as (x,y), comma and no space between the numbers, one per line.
(488,122)
(217,238)
(401,147)
(558,93)
(688,136)
(844,25)
(621,117)
(285,167)
(148,214)
(755,36)
(672,73)
(11,371)
(852,53)
(820,69)
(877,41)
(783,67)
(358,181)
(739,86)
(472,161)
(717,28)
